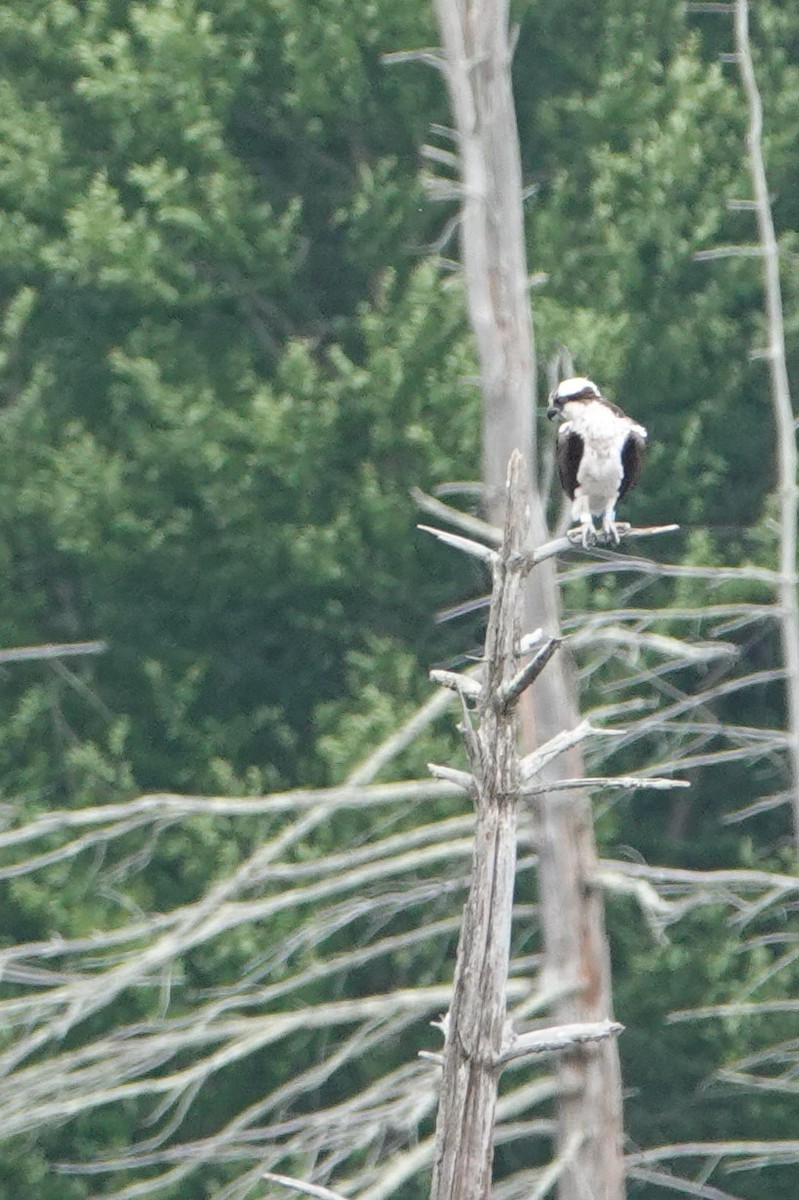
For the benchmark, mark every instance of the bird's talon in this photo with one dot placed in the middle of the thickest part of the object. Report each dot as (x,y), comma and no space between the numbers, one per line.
(587,536)
(581,535)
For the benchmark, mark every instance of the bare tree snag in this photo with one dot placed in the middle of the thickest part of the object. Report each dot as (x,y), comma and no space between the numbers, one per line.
(477,70)
(477,60)
(478,1040)
(476,1024)
(787,489)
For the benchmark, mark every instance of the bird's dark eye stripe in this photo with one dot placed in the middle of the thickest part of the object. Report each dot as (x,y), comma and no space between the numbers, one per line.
(585,394)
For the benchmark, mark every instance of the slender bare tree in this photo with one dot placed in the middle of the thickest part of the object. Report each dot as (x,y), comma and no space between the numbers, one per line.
(784,420)
(477,67)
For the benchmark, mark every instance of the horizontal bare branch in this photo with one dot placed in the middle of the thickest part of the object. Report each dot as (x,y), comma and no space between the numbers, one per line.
(307,1189)
(728,252)
(625,782)
(467,545)
(673,1183)
(671,647)
(746,1008)
(445,157)
(167,807)
(457,683)
(52,650)
(645,566)
(743,879)
(460,779)
(561,545)
(466,522)
(430,56)
(558,1037)
(731,1149)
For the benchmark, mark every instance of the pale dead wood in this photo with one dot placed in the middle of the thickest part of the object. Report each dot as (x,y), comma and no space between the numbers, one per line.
(306,1189)
(552,1174)
(570,542)
(457,683)
(673,1183)
(405,1165)
(408,732)
(556,1038)
(644,566)
(622,782)
(683,879)
(475,1025)
(430,56)
(461,779)
(468,545)
(167,807)
(51,651)
(471,1060)
(747,1008)
(728,252)
(787,487)
(477,51)
(511,691)
(475,527)
(535,762)
(788,1149)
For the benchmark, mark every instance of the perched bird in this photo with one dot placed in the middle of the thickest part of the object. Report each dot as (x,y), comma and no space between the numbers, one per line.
(600,452)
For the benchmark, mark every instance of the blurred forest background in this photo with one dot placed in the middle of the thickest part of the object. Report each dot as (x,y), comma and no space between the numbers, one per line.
(231,343)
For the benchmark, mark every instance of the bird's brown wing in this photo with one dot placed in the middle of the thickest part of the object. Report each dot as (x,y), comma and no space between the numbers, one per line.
(569,452)
(632,460)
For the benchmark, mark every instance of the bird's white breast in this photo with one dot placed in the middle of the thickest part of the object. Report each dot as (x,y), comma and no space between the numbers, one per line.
(600,472)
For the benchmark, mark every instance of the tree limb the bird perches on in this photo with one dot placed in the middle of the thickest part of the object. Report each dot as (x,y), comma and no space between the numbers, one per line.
(569,541)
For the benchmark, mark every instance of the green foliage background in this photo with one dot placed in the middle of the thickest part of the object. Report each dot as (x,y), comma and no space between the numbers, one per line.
(226,355)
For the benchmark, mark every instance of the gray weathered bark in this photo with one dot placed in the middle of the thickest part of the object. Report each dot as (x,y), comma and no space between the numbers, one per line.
(477,68)
(478,1040)
(476,1021)
(787,489)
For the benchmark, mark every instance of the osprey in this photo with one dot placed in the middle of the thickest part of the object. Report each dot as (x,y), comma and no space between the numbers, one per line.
(600,452)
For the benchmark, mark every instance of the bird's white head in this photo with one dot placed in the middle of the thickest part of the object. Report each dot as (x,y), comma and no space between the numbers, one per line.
(576,388)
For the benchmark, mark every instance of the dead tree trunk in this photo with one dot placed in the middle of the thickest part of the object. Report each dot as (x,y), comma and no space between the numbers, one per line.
(476,1021)
(785,426)
(478,1041)
(477,64)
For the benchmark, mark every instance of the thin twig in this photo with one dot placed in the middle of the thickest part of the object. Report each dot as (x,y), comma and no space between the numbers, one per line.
(673,1183)
(307,1189)
(467,522)
(52,650)
(623,782)
(476,549)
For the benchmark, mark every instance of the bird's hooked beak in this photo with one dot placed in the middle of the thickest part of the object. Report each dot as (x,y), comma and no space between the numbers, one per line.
(553,410)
